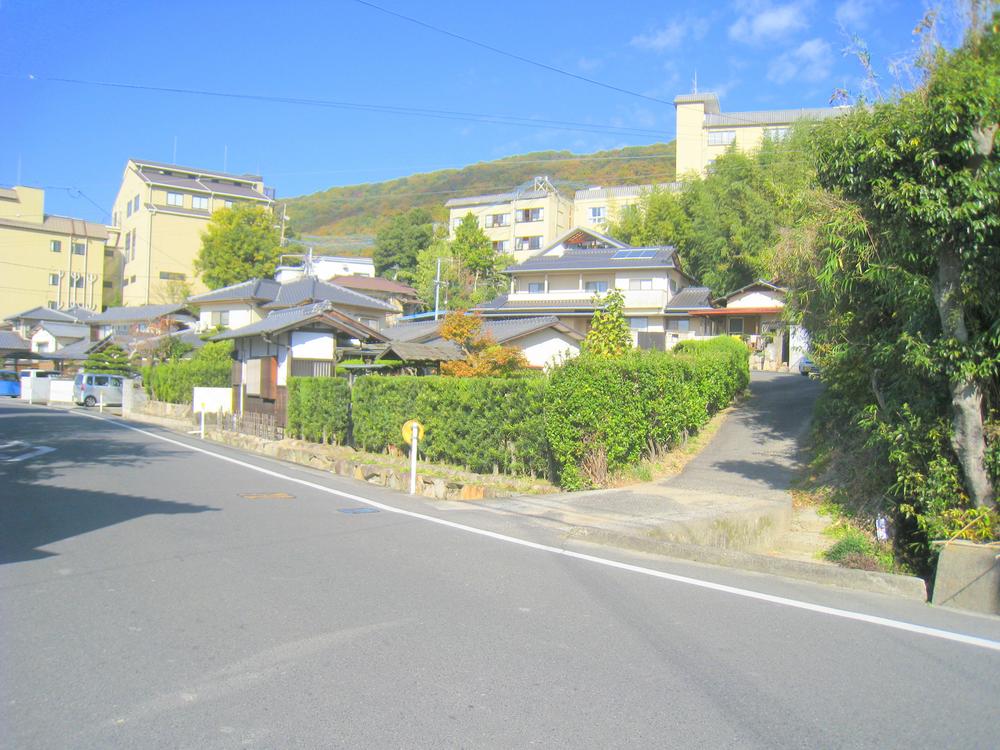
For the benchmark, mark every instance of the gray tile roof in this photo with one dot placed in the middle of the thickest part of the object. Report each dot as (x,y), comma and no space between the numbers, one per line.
(772,117)
(410,351)
(501,330)
(298,292)
(136,313)
(503,303)
(292,317)
(690,298)
(589,260)
(66,330)
(254,290)
(202,185)
(43,313)
(77,350)
(11,342)
(62,225)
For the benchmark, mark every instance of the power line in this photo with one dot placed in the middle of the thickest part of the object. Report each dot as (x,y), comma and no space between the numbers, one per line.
(439,114)
(512,55)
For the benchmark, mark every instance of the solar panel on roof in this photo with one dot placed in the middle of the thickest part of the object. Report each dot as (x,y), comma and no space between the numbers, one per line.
(633,254)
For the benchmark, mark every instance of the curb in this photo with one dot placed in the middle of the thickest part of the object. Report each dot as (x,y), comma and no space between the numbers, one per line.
(908,587)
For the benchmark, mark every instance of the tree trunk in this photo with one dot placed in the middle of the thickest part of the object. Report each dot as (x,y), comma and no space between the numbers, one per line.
(968,439)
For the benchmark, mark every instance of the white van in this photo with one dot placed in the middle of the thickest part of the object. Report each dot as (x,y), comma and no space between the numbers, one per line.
(89,389)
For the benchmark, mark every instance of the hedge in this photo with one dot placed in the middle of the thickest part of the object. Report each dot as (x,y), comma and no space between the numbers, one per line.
(483,424)
(174,382)
(603,414)
(319,409)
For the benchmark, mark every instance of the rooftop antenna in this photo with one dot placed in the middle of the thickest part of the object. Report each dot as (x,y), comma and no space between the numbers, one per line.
(694,83)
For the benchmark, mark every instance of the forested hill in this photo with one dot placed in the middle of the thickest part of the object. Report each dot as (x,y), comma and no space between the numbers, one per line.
(354,210)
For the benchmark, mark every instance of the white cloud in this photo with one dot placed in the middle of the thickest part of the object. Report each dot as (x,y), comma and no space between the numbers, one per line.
(760,24)
(853,13)
(672,35)
(587,64)
(810,61)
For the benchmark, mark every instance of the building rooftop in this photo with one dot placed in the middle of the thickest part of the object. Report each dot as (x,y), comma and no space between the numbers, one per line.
(137,313)
(44,313)
(485,200)
(197,171)
(273,294)
(690,298)
(66,330)
(63,225)
(10,342)
(374,284)
(600,258)
(502,331)
(293,317)
(772,116)
(623,191)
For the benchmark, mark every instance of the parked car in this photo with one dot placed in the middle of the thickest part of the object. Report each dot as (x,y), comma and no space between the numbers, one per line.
(808,367)
(10,384)
(89,389)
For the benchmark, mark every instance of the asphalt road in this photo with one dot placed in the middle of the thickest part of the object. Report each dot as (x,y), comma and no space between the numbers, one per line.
(144,603)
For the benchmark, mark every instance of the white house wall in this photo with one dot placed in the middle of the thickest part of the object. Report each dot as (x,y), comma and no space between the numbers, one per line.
(312,345)
(542,347)
(756,299)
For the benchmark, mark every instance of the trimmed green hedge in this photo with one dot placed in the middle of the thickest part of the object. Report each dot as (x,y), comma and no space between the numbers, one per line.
(603,414)
(483,424)
(174,382)
(319,409)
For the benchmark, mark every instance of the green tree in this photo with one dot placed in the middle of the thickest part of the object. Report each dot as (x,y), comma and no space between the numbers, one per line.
(473,249)
(240,243)
(658,219)
(452,294)
(609,333)
(399,242)
(111,360)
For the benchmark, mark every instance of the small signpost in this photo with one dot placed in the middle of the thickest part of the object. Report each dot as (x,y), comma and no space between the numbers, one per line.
(413,433)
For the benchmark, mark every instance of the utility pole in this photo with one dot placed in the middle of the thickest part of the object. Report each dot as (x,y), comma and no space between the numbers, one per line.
(283,217)
(437,289)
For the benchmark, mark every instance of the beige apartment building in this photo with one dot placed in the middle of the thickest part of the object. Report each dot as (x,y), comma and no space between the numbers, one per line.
(45,260)
(523,222)
(158,219)
(705,132)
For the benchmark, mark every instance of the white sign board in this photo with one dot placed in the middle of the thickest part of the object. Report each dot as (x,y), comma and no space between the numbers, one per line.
(213,400)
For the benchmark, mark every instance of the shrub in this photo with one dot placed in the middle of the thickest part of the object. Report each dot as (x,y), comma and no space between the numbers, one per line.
(605,413)
(174,381)
(483,424)
(319,409)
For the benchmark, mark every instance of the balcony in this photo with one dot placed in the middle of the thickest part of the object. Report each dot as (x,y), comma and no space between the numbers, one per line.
(649,300)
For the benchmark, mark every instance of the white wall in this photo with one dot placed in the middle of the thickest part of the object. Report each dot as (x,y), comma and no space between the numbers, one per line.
(61,391)
(541,347)
(757,299)
(312,345)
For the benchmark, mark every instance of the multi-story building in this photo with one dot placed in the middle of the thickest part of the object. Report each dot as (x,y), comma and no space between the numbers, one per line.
(522,222)
(47,261)
(705,132)
(158,218)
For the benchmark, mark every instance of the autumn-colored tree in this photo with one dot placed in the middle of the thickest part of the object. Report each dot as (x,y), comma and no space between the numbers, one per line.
(484,357)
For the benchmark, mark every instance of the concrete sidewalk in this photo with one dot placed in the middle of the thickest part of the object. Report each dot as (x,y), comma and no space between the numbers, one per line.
(729,506)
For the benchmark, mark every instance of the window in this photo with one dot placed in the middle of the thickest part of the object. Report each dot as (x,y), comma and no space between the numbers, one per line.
(122,329)
(52,305)
(638,324)
(683,325)
(536,287)
(172,276)
(135,205)
(497,220)
(101,380)
(528,243)
(776,134)
(108,285)
(124,282)
(640,285)
(673,286)
(128,209)
(133,279)
(220,318)
(199,201)
(175,199)
(596,286)
(528,214)
(135,245)
(736,325)
(721,137)
(128,243)
(79,248)
(77,282)
(53,279)
(43,346)
(114,218)
(108,253)
(598,213)
(501,246)
(55,246)
(227,203)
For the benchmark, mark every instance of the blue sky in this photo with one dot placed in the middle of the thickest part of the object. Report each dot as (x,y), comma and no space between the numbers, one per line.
(75,138)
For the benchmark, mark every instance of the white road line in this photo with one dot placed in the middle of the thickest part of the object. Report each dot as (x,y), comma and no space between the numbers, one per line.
(885,622)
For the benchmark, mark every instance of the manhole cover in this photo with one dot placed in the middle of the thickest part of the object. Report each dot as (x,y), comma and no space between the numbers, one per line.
(354,511)
(267,496)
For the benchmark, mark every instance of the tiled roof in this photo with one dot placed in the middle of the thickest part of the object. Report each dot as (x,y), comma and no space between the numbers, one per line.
(504,303)
(43,313)
(77,350)
(63,225)
(772,117)
(252,290)
(414,331)
(136,313)
(374,284)
(690,298)
(298,292)
(281,320)
(409,351)
(481,200)
(501,330)
(11,342)
(66,330)
(588,260)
